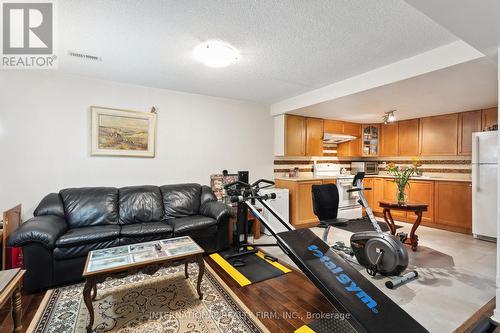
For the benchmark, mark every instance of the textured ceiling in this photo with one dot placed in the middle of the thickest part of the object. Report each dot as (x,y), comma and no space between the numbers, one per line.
(467,86)
(288,47)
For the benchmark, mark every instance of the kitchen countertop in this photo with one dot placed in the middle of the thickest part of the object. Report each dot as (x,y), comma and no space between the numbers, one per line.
(435,178)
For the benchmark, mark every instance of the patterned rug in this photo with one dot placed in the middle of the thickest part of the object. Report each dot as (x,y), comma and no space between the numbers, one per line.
(165,302)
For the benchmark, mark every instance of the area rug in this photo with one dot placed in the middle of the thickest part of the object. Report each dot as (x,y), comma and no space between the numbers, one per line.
(165,302)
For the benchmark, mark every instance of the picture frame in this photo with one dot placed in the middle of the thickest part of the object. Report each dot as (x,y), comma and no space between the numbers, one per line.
(118,132)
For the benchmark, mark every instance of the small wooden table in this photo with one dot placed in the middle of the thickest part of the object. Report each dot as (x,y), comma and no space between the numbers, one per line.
(139,257)
(417,208)
(11,282)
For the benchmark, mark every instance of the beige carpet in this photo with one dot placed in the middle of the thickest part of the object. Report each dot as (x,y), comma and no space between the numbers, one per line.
(165,302)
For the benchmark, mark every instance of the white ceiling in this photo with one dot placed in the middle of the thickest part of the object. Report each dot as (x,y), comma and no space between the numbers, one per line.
(467,86)
(288,47)
(476,22)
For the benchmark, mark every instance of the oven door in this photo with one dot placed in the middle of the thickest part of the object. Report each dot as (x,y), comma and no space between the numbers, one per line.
(346,199)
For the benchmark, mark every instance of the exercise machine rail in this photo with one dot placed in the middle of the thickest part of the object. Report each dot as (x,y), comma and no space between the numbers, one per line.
(348,290)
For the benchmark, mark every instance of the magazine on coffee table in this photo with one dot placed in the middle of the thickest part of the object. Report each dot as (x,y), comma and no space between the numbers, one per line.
(124,255)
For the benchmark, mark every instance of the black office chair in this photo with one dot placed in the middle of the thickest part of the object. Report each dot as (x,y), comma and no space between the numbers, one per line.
(325,200)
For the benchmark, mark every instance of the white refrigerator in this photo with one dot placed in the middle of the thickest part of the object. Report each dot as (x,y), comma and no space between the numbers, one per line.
(484,185)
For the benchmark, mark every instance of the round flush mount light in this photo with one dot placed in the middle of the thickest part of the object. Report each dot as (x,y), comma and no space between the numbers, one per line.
(216,53)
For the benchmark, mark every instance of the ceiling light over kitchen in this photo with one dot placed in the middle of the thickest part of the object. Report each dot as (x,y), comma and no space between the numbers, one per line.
(389,117)
(216,53)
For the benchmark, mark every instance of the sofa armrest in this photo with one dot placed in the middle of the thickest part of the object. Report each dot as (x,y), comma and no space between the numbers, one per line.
(44,230)
(216,210)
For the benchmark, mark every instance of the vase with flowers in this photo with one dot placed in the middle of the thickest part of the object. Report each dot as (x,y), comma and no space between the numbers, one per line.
(402,176)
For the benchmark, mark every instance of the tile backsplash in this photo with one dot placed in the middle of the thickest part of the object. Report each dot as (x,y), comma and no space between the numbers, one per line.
(443,166)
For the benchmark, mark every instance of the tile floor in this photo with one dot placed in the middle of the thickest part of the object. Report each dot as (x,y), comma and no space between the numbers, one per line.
(456,276)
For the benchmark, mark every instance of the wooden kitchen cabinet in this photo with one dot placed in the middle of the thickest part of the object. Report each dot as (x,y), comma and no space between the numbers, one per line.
(314,137)
(377,194)
(468,122)
(421,192)
(352,129)
(351,148)
(370,135)
(453,206)
(439,135)
(301,208)
(333,126)
(489,119)
(368,183)
(390,194)
(389,139)
(408,137)
(295,135)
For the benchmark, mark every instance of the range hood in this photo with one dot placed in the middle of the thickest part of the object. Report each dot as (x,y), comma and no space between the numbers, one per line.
(337,138)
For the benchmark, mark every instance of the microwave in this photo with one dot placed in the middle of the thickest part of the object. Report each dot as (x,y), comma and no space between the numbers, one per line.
(369,167)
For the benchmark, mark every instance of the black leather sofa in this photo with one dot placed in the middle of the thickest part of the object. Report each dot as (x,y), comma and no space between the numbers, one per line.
(69,224)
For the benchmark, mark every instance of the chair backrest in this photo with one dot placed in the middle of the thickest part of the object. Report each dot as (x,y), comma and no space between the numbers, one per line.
(325,199)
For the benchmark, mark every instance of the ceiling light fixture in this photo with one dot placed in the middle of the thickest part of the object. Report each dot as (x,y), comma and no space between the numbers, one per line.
(389,117)
(216,53)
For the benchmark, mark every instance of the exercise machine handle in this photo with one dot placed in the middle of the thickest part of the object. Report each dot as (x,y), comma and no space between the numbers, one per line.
(239,198)
(265,181)
(358,189)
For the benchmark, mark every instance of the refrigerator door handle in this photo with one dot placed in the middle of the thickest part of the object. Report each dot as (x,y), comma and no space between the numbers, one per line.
(478,166)
(478,160)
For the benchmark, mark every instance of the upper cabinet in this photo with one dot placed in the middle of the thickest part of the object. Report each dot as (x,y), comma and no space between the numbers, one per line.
(351,148)
(444,135)
(352,129)
(439,135)
(333,126)
(295,135)
(468,123)
(489,119)
(408,137)
(370,143)
(314,137)
(389,139)
(298,136)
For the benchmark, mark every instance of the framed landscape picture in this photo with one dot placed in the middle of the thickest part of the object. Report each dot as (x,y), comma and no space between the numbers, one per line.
(122,133)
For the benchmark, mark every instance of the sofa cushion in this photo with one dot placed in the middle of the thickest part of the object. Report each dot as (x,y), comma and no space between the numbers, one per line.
(181,200)
(88,235)
(140,204)
(62,253)
(90,206)
(51,204)
(184,225)
(162,229)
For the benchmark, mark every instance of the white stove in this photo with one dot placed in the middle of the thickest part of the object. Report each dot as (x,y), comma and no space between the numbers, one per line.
(349,207)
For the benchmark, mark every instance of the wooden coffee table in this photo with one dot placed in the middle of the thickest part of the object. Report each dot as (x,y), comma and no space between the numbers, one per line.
(417,208)
(147,257)
(11,282)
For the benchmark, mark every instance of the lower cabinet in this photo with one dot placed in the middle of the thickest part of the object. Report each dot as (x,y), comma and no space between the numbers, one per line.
(453,202)
(390,194)
(378,194)
(301,208)
(422,192)
(450,202)
(368,183)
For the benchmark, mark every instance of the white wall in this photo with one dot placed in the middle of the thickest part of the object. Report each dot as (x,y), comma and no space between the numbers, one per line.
(44,136)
